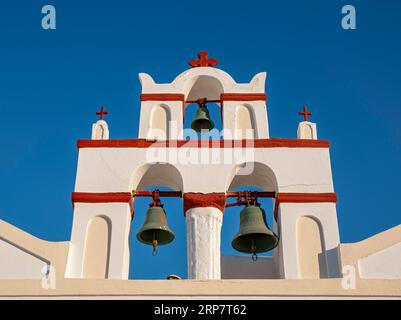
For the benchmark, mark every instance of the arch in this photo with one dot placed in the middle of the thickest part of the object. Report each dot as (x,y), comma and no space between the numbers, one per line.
(100,130)
(159,123)
(312,262)
(157,174)
(307,132)
(252,174)
(97,248)
(245,121)
(203,86)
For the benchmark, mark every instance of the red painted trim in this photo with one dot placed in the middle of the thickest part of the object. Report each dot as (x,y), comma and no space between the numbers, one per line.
(88,197)
(162,97)
(257,143)
(303,198)
(243,97)
(202,200)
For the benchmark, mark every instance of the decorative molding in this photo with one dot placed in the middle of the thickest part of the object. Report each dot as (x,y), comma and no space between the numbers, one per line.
(303,198)
(243,97)
(107,197)
(257,143)
(162,97)
(202,200)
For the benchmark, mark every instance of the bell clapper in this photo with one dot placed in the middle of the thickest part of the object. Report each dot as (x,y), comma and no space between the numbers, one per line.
(253,248)
(154,244)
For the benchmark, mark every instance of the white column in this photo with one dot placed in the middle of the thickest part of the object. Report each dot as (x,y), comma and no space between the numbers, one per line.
(203,241)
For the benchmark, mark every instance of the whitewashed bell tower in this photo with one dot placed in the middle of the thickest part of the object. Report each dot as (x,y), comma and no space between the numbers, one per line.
(295,172)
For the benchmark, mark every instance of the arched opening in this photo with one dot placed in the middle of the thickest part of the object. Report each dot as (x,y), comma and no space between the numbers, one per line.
(252,174)
(159,123)
(210,88)
(244,123)
(203,86)
(171,258)
(215,116)
(310,248)
(97,248)
(234,264)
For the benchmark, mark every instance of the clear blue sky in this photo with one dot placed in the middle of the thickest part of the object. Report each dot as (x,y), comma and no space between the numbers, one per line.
(52,82)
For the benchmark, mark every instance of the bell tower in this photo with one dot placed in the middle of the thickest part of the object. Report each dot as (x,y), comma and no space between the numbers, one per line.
(242,105)
(206,174)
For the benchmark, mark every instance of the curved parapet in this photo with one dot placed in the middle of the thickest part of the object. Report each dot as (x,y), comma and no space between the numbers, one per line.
(27,257)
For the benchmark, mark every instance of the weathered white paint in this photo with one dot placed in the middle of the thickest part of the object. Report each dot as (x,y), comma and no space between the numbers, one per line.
(242,267)
(385,264)
(120,169)
(203,243)
(17,263)
(307,130)
(119,215)
(100,130)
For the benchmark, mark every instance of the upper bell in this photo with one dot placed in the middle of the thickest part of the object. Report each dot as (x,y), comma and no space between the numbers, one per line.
(254,236)
(155,228)
(202,119)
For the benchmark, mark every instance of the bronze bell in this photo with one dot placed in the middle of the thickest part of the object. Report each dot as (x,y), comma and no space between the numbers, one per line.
(202,119)
(254,236)
(155,230)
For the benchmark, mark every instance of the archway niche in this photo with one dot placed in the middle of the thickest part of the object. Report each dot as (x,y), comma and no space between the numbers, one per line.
(97,248)
(171,258)
(312,262)
(245,122)
(236,265)
(208,87)
(159,123)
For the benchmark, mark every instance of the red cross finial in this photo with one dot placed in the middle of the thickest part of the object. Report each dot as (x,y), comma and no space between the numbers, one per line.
(203,61)
(101,113)
(305,113)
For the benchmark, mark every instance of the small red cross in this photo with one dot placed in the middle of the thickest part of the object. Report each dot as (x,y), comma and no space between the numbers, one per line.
(305,113)
(101,113)
(203,61)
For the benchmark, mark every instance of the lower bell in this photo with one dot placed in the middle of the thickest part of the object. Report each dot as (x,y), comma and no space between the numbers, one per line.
(254,236)
(155,230)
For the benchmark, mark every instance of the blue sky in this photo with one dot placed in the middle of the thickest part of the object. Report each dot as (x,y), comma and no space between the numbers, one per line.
(52,82)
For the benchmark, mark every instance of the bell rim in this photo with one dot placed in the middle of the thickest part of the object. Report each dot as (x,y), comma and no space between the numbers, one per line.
(211,121)
(139,238)
(268,249)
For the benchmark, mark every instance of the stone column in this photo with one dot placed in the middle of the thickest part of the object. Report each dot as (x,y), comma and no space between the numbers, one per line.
(204,216)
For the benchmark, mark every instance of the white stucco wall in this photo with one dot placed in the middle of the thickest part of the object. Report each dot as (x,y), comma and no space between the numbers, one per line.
(16,263)
(115,169)
(385,264)
(242,267)
(288,216)
(119,215)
